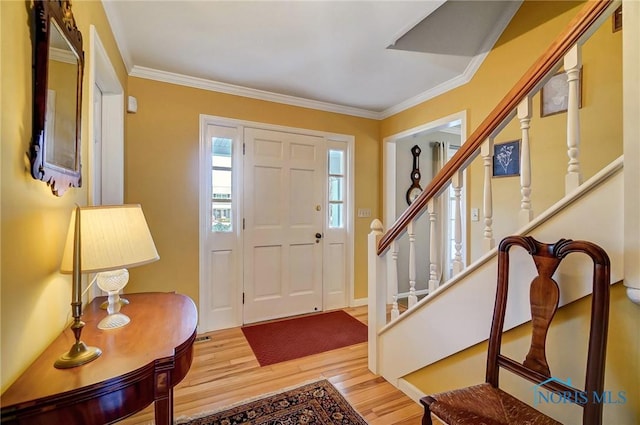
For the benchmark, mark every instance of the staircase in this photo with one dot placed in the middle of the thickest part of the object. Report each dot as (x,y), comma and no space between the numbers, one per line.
(456,315)
(446,312)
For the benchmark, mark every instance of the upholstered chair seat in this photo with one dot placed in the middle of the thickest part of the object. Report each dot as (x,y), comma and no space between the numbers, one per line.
(484,405)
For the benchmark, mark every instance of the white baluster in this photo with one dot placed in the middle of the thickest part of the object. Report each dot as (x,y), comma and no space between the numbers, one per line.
(395,312)
(392,271)
(456,183)
(413,299)
(572,64)
(433,247)
(524,115)
(486,150)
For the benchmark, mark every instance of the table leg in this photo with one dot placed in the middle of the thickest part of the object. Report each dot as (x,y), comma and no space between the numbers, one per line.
(164,409)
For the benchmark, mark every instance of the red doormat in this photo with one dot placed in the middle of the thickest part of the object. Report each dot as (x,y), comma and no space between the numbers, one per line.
(288,339)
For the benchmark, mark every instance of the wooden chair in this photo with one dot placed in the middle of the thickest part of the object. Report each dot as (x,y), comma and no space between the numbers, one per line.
(486,403)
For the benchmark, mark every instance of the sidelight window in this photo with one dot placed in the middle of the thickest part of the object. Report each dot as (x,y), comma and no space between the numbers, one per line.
(221,179)
(336,188)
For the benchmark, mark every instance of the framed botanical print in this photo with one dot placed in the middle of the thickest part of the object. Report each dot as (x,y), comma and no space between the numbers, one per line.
(506,159)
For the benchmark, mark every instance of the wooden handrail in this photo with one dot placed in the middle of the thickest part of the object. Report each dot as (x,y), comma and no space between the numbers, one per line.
(578,27)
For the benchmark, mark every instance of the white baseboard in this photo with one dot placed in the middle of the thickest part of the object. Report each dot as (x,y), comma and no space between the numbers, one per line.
(413,392)
(359,302)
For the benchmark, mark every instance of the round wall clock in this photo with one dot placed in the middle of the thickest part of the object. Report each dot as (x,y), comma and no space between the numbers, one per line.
(414,190)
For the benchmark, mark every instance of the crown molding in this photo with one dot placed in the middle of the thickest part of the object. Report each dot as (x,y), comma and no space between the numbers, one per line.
(216,86)
(426,95)
(205,84)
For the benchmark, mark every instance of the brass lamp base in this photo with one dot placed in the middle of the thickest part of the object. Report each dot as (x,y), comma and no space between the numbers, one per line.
(78,355)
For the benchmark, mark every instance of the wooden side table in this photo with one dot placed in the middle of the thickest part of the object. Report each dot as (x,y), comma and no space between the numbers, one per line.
(140,364)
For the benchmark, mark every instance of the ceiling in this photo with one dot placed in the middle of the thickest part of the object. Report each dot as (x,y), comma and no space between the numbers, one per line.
(363,58)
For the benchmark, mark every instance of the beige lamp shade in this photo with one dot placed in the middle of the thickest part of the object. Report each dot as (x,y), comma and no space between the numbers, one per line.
(112,237)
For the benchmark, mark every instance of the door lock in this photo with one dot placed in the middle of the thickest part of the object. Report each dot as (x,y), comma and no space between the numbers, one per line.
(318,237)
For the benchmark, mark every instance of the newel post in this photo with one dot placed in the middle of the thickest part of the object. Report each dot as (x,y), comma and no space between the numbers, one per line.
(377,288)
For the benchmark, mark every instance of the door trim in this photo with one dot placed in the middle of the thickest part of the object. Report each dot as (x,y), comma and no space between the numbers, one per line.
(103,74)
(239,125)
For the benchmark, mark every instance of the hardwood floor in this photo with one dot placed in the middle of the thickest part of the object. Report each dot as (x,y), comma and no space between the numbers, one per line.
(225,372)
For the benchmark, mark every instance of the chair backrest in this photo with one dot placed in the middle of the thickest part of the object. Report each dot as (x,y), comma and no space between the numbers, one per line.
(544,296)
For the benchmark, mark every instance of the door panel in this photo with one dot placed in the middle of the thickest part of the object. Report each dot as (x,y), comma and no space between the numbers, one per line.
(266,187)
(267,263)
(221,266)
(283,188)
(301,267)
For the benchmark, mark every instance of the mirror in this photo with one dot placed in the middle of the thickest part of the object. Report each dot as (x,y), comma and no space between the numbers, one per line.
(57,96)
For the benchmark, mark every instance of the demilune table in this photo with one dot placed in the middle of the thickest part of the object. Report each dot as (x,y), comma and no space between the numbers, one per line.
(140,364)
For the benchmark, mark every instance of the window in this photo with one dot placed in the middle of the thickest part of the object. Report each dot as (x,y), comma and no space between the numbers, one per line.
(336,188)
(221,194)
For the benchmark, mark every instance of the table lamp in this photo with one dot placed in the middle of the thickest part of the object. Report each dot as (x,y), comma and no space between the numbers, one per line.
(79,353)
(113,237)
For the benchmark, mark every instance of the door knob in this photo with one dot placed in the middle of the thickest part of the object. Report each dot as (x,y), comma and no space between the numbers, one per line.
(318,235)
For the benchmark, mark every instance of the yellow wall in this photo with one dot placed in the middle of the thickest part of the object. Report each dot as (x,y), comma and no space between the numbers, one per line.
(35,296)
(566,348)
(161,172)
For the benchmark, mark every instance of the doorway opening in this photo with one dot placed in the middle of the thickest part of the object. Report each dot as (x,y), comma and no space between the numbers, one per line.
(437,141)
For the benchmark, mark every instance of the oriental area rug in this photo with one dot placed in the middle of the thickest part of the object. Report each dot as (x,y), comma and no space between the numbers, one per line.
(318,403)
(278,341)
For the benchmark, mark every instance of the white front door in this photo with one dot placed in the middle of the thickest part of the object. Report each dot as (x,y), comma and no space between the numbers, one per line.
(284,187)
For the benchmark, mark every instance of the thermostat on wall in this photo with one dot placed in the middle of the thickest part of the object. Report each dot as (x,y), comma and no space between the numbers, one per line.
(132,104)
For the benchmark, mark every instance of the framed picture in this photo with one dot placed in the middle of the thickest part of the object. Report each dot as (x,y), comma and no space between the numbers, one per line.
(506,159)
(554,96)
(617,19)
